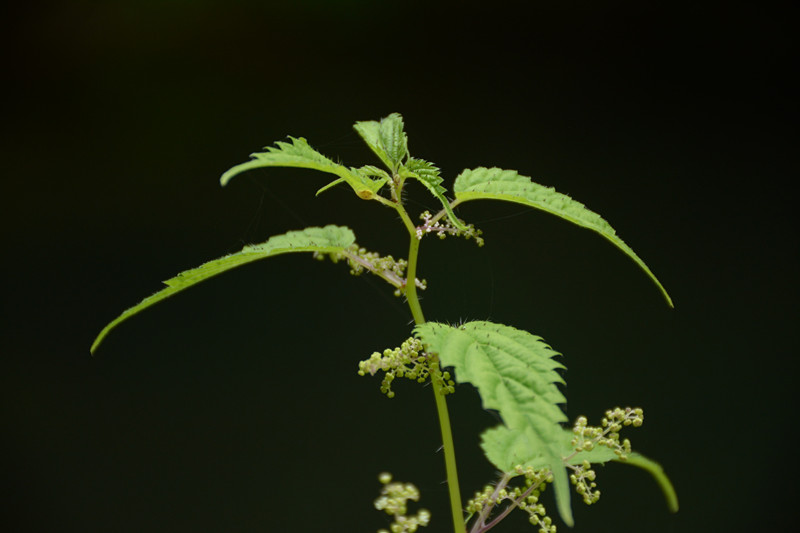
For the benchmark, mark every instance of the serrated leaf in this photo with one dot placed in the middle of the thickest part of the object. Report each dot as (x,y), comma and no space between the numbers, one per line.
(329,239)
(394,138)
(516,375)
(299,154)
(386,138)
(428,174)
(497,184)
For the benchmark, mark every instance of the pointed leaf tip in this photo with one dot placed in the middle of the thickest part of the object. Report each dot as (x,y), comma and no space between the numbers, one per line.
(655,470)
(386,138)
(328,239)
(498,184)
(298,154)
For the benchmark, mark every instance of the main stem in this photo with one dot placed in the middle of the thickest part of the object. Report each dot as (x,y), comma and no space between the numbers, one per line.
(438,386)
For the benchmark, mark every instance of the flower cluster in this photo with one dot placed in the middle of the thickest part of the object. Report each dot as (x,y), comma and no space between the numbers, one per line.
(526,497)
(408,361)
(446,228)
(394,502)
(587,437)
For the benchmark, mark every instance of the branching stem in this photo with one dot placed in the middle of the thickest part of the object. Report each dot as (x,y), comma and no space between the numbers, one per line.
(442,213)
(513,505)
(448,447)
(480,522)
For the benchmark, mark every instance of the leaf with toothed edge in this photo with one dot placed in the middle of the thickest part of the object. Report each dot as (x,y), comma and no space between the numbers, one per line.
(428,174)
(516,375)
(328,239)
(497,184)
(386,138)
(299,154)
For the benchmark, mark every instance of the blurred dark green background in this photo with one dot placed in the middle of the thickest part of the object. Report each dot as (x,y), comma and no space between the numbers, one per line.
(236,406)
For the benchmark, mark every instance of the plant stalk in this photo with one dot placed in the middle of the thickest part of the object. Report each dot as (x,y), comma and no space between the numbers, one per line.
(438,387)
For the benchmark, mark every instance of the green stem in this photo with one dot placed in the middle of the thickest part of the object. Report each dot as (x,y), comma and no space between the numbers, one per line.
(438,386)
(449,458)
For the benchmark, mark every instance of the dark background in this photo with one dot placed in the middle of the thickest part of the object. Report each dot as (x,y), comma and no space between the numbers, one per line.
(236,406)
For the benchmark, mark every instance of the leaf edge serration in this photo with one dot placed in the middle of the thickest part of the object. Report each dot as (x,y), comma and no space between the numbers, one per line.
(515,394)
(492,183)
(311,239)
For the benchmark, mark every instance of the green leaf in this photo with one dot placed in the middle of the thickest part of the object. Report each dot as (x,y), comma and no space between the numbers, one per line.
(506,448)
(330,239)
(330,185)
(394,138)
(428,174)
(299,154)
(517,376)
(386,138)
(375,172)
(370,132)
(658,474)
(498,184)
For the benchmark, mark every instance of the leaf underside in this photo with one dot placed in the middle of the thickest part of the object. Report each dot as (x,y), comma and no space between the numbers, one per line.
(517,376)
(329,239)
(497,184)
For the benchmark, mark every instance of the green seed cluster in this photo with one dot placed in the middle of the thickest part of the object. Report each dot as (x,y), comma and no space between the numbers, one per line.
(394,502)
(583,478)
(535,482)
(525,497)
(360,260)
(443,229)
(481,500)
(587,437)
(408,361)
(381,264)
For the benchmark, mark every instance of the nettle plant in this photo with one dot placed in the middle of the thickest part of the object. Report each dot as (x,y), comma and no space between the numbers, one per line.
(514,371)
